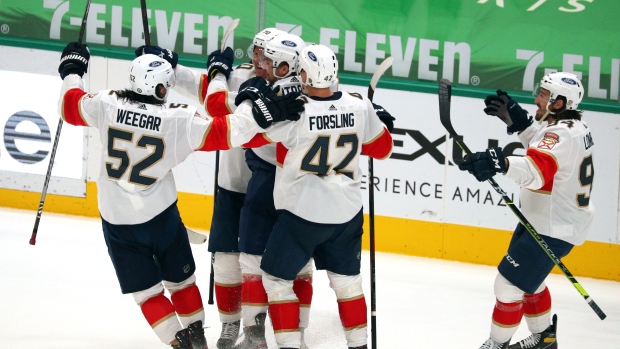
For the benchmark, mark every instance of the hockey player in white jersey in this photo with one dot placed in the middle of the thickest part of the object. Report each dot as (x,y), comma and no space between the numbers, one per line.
(556,178)
(318,197)
(143,138)
(212,90)
(258,215)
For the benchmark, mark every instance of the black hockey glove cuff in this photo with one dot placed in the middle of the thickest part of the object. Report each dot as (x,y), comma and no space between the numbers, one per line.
(221,62)
(171,56)
(257,84)
(385,117)
(484,165)
(74,60)
(507,110)
(267,110)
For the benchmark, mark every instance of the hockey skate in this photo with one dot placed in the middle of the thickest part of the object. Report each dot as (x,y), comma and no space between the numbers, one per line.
(544,340)
(254,336)
(228,337)
(197,335)
(491,344)
(184,340)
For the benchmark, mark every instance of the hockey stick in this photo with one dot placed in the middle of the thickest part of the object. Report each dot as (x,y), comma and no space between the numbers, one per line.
(445,94)
(227,33)
(193,237)
(371,209)
(145,23)
(48,175)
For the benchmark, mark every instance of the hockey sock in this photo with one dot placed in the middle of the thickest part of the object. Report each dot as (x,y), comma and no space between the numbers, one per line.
(160,314)
(253,298)
(537,310)
(188,305)
(506,319)
(228,298)
(302,286)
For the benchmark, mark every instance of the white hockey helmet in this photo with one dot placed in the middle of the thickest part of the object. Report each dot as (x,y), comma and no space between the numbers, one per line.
(282,48)
(147,72)
(261,38)
(320,64)
(563,84)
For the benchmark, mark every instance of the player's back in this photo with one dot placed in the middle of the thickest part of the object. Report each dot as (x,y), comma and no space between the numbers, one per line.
(319,178)
(141,143)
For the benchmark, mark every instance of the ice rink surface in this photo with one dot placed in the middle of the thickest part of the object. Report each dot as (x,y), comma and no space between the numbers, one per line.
(63,293)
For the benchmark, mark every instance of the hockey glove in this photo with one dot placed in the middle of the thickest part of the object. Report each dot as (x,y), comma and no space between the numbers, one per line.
(74,60)
(484,165)
(220,62)
(509,111)
(257,84)
(171,56)
(385,117)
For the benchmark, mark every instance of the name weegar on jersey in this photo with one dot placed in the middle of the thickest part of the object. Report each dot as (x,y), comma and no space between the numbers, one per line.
(137,140)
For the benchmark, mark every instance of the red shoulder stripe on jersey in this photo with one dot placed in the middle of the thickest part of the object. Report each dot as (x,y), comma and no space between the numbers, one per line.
(259,140)
(217,136)
(545,164)
(380,147)
(217,104)
(71,112)
(281,152)
(203,85)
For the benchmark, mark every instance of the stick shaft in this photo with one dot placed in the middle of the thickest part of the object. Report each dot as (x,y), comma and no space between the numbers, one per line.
(145,23)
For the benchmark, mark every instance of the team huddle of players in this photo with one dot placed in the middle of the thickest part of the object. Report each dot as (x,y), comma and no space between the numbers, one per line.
(288,197)
(288,158)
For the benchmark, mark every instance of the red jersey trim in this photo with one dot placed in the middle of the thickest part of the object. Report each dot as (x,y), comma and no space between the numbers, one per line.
(380,147)
(71,111)
(281,152)
(217,136)
(203,85)
(546,164)
(217,104)
(257,141)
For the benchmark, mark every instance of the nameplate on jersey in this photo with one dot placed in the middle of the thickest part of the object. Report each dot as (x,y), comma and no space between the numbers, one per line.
(331,122)
(138,119)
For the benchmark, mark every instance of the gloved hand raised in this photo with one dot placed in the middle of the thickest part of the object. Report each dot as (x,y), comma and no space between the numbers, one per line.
(221,62)
(385,117)
(171,56)
(484,165)
(509,111)
(74,60)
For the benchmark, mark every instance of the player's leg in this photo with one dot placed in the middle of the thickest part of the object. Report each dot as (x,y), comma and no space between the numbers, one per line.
(537,300)
(258,216)
(302,286)
(131,252)
(223,242)
(288,252)
(174,257)
(340,256)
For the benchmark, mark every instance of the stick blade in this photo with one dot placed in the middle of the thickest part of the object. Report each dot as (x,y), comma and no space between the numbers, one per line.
(445,95)
(231,27)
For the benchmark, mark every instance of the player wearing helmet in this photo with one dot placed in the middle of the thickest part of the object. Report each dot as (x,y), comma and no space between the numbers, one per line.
(212,90)
(556,178)
(278,59)
(142,139)
(318,198)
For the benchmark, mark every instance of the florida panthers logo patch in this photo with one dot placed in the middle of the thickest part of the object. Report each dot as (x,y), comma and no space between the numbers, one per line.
(549,141)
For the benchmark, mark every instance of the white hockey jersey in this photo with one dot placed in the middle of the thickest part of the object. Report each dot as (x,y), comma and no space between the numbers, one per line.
(141,143)
(318,176)
(556,177)
(234,173)
(287,85)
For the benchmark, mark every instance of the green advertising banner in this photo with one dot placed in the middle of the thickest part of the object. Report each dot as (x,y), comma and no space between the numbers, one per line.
(480,45)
